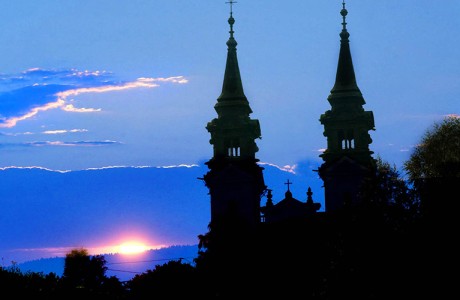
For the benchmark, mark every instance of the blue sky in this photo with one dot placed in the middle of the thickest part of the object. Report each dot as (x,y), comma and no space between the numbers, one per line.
(87,84)
(96,84)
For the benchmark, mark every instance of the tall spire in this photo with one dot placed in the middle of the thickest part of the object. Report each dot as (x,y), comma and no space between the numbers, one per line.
(345,81)
(232,88)
(235,180)
(233,132)
(346,126)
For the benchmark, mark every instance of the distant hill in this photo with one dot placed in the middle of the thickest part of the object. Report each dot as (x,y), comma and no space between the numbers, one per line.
(44,212)
(122,266)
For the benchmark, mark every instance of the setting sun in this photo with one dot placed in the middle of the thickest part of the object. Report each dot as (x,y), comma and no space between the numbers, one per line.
(131,248)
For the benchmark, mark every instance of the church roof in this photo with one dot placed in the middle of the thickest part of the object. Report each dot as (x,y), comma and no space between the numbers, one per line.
(232,89)
(289,208)
(290,202)
(345,82)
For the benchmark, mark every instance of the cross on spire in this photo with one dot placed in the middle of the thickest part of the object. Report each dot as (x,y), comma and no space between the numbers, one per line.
(231,2)
(288,183)
(344,13)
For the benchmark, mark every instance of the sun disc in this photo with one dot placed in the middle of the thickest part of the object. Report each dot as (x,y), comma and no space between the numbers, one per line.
(131,248)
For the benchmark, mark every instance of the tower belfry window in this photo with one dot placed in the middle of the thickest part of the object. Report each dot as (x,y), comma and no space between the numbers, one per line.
(342,140)
(346,142)
(350,140)
(233,151)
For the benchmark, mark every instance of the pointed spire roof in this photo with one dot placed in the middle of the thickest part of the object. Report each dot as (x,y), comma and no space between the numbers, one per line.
(345,80)
(232,88)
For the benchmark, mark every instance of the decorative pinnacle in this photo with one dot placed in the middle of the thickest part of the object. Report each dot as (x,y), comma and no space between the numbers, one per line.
(231,2)
(231,21)
(344,12)
(309,194)
(288,183)
(231,42)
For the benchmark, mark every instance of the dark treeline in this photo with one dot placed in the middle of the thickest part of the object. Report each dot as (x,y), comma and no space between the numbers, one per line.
(399,242)
(365,252)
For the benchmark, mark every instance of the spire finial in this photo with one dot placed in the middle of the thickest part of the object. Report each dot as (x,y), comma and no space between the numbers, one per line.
(344,12)
(288,183)
(231,2)
(231,20)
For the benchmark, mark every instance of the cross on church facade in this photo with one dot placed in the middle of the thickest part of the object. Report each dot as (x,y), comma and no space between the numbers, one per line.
(231,2)
(288,183)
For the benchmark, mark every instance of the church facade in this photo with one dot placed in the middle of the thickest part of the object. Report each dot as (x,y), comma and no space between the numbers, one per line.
(235,180)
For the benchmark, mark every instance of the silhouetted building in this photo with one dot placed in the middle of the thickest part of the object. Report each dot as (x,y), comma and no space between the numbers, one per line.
(289,208)
(235,180)
(296,251)
(348,162)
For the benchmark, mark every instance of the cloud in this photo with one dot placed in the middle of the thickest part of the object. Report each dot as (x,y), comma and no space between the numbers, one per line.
(36,90)
(103,168)
(453,116)
(58,131)
(47,252)
(81,144)
(32,168)
(61,131)
(176,79)
(73,144)
(17,133)
(37,77)
(62,144)
(145,167)
(179,166)
(286,168)
(71,108)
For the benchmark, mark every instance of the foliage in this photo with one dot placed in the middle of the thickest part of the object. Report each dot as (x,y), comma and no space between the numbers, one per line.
(389,187)
(171,280)
(28,284)
(85,275)
(438,154)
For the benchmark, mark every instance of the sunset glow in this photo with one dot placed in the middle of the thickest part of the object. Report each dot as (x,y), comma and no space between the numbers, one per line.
(131,248)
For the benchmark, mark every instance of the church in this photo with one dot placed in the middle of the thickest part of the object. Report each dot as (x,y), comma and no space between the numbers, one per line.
(287,247)
(235,179)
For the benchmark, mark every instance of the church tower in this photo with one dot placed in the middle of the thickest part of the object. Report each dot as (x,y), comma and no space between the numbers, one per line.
(348,162)
(234,179)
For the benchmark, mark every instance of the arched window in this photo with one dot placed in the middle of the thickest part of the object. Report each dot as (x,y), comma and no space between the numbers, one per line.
(233,150)
(346,142)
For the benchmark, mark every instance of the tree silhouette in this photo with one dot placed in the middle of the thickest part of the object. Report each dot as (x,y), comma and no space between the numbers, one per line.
(388,187)
(77,268)
(85,276)
(437,155)
(171,280)
(29,285)
(434,168)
